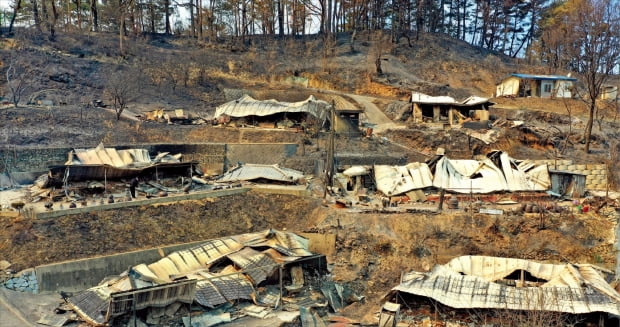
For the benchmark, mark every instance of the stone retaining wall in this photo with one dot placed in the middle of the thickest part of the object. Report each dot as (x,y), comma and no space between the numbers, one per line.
(23,281)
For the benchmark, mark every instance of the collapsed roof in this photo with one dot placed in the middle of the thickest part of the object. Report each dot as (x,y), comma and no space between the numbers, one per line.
(248,172)
(394,180)
(109,163)
(248,106)
(422,98)
(195,274)
(495,173)
(515,284)
(498,172)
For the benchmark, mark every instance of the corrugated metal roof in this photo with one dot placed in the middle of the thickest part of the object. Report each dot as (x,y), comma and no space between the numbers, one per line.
(394,180)
(248,172)
(544,77)
(480,282)
(258,265)
(212,288)
(484,176)
(248,106)
(523,175)
(417,97)
(129,158)
(465,176)
(423,98)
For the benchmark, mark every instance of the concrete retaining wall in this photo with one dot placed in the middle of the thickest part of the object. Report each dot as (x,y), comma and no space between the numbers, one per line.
(267,154)
(77,275)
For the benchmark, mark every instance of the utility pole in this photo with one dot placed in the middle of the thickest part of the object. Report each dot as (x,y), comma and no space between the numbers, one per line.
(329,169)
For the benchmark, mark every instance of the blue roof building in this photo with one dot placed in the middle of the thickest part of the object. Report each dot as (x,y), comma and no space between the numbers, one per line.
(530,85)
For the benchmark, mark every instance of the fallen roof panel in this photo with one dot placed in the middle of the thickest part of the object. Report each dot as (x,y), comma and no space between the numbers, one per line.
(257,265)
(394,180)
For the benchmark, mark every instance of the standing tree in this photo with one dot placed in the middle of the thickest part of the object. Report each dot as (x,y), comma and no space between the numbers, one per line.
(586,39)
(18,76)
(122,88)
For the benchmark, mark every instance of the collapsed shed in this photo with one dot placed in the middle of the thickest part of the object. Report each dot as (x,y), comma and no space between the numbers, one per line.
(482,282)
(497,172)
(216,272)
(257,172)
(259,111)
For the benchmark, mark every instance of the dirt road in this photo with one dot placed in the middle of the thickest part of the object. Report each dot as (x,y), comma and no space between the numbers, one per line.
(374,115)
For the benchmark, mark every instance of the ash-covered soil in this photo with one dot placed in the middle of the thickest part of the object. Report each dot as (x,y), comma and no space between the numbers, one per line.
(372,250)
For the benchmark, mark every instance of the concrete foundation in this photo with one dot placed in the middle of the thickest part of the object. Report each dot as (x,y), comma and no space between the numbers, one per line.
(168,199)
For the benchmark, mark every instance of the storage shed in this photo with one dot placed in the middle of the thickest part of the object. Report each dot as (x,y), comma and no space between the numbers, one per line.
(568,183)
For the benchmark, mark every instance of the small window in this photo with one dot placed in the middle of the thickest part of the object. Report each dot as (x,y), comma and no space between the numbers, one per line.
(547,88)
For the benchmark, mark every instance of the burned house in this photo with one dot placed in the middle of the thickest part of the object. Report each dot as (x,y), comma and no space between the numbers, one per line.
(274,114)
(447,110)
(176,116)
(540,86)
(258,173)
(492,283)
(101,163)
(609,93)
(497,172)
(217,272)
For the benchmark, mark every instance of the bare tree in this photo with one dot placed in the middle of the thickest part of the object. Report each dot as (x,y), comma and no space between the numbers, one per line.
(598,31)
(122,88)
(17,76)
(585,37)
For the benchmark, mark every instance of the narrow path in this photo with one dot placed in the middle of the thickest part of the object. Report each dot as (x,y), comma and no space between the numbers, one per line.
(374,115)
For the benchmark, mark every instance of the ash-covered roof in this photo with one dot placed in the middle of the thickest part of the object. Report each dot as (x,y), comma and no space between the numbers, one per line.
(248,172)
(515,284)
(248,106)
(251,257)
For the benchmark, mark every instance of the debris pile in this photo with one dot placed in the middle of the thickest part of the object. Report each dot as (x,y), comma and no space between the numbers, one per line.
(260,272)
(481,282)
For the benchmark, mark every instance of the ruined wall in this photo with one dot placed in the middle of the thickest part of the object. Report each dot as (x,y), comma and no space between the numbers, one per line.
(77,275)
